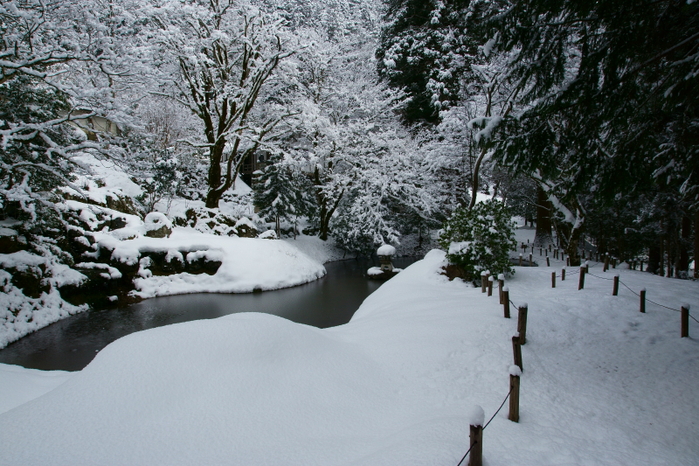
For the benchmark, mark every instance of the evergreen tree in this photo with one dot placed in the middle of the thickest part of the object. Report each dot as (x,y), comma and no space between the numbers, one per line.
(426,49)
(609,92)
(279,194)
(480,239)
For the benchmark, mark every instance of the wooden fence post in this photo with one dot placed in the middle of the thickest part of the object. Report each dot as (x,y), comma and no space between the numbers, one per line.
(553,279)
(490,285)
(643,300)
(501,285)
(548,261)
(515,373)
(684,310)
(531,260)
(484,281)
(506,302)
(563,274)
(476,437)
(615,289)
(520,260)
(581,280)
(522,323)
(517,352)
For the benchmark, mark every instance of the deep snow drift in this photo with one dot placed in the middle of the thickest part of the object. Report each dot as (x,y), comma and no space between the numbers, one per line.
(602,383)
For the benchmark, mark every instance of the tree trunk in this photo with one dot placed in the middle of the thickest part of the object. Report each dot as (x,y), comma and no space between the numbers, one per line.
(572,246)
(682,270)
(324,221)
(661,267)
(696,244)
(325,212)
(214,179)
(653,259)
(543,237)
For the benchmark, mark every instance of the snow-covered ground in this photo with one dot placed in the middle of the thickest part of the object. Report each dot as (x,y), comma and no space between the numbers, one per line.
(247,263)
(603,384)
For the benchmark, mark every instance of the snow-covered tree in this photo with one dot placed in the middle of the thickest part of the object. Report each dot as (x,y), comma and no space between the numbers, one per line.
(362,162)
(281,192)
(480,239)
(426,50)
(59,65)
(226,52)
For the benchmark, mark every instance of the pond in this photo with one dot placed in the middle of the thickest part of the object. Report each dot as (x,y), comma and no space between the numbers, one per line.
(72,343)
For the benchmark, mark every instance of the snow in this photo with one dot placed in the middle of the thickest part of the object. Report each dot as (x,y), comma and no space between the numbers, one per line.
(248,264)
(460,247)
(604,384)
(244,221)
(21,260)
(476,416)
(386,250)
(269,234)
(19,385)
(109,271)
(156,220)
(112,180)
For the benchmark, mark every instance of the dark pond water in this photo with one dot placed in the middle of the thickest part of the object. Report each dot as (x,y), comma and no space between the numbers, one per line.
(72,343)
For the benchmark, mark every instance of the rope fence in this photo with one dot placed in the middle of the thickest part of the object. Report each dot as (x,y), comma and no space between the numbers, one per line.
(569,273)
(640,295)
(477,442)
(519,339)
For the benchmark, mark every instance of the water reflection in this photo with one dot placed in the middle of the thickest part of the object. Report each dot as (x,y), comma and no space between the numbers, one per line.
(72,343)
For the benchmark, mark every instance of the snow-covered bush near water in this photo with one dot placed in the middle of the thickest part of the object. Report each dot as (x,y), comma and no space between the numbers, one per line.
(480,239)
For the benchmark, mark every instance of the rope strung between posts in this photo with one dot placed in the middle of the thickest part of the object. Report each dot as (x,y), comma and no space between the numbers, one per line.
(484,427)
(499,409)
(652,302)
(637,294)
(466,454)
(601,278)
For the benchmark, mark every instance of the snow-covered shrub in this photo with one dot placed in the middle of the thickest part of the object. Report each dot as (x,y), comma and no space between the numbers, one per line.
(162,183)
(480,239)
(269,234)
(157,225)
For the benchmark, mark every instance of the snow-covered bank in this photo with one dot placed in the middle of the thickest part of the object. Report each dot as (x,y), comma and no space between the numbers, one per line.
(602,384)
(247,264)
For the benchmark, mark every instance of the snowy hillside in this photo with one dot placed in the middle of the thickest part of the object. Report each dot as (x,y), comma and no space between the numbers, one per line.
(603,384)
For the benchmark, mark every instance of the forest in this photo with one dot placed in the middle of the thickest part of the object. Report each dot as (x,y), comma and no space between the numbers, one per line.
(355,120)
(222,150)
